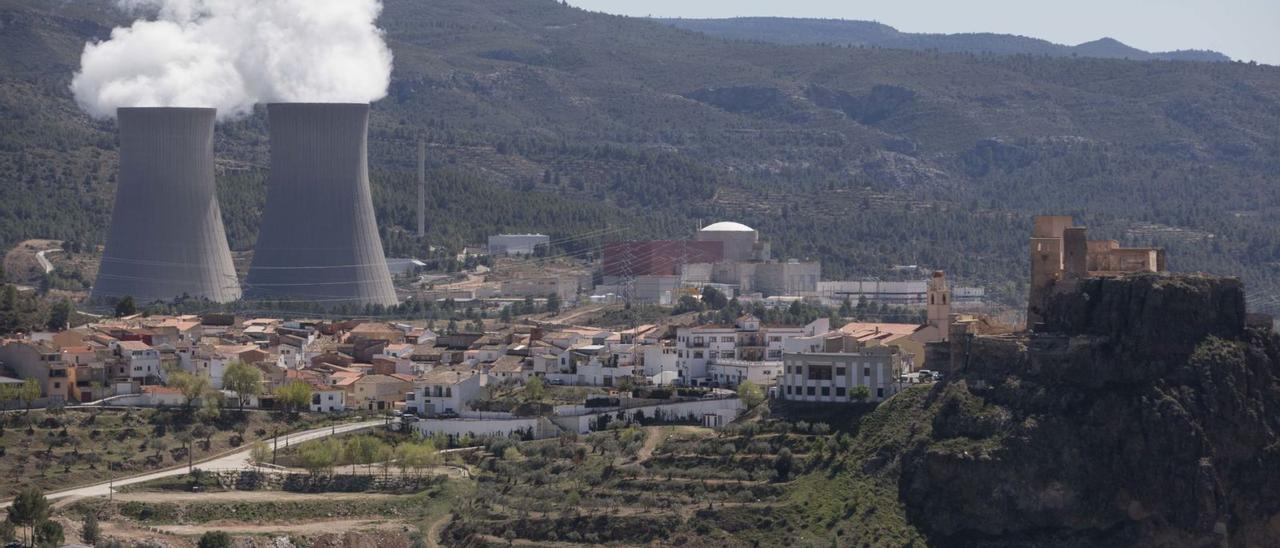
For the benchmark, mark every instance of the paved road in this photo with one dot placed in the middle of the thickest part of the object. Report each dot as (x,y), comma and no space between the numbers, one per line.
(231,461)
(44,261)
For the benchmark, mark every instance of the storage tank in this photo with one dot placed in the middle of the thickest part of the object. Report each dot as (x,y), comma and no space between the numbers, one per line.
(166,238)
(739,240)
(318,241)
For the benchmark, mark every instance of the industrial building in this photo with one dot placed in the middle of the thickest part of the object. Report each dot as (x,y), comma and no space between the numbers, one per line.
(657,257)
(166,238)
(517,244)
(319,240)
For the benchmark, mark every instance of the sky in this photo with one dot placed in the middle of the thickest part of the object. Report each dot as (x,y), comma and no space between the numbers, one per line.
(1247,30)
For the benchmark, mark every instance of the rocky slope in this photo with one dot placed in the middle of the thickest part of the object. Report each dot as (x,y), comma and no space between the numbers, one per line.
(1150,417)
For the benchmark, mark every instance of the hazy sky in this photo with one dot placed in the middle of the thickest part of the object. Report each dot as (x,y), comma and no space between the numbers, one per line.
(1243,29)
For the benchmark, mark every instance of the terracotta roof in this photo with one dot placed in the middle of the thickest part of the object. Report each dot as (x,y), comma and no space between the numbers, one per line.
(507,364)
(447,376)
(134,345)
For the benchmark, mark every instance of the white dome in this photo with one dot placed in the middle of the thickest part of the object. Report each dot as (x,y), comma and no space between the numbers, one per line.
(727,226)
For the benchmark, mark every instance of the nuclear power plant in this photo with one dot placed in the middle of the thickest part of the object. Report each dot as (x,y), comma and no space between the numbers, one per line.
(166,238)
(319,241)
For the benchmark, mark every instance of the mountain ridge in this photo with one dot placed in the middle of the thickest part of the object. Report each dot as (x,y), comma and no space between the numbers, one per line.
(567,122)
(847,32)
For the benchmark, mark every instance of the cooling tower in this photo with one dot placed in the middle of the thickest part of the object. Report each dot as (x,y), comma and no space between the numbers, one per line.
(166,238)
(318,241)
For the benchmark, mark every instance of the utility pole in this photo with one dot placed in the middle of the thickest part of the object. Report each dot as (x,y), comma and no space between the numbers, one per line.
(422,187)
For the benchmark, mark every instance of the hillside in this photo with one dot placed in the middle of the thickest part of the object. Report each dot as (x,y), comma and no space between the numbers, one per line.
(841,32)
(863,158)
(1097,434)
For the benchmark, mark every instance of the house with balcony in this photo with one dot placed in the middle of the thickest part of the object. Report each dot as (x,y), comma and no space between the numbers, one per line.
(444,391)
(720,355)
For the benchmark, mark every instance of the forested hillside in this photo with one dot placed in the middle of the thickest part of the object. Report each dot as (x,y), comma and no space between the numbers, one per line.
(544,117)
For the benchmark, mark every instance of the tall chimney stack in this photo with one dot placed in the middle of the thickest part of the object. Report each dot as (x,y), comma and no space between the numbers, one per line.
(422,187)
(166,238)
(319,240)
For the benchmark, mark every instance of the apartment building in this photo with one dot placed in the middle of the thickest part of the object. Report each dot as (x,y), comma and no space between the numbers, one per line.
(723,355)
(833,370)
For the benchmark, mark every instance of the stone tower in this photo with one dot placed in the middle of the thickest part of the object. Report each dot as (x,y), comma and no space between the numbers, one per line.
(939,307)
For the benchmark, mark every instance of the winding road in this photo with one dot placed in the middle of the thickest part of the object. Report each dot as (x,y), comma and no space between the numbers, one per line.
(236,460)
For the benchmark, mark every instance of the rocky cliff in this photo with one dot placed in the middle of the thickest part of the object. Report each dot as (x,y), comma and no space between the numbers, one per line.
(1150,416)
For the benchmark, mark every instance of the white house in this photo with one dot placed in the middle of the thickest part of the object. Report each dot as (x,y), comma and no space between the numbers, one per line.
(327,399)
(444,391)
(725,355)
(141,360)
(834,372)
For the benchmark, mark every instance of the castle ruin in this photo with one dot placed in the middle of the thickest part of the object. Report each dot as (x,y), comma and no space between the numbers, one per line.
(1062,254)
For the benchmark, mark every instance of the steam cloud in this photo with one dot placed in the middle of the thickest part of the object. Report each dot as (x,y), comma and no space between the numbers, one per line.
(231,54)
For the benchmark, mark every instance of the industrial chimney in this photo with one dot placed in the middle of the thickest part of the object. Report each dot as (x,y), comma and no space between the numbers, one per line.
(318,241)
(166,238)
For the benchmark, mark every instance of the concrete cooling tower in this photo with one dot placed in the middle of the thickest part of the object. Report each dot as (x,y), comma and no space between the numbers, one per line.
(166,238)
(319,240)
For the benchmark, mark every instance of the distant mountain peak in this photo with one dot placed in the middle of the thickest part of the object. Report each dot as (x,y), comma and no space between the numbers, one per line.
(874,34)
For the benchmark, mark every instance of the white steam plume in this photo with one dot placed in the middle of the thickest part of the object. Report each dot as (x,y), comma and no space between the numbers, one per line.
(231,54)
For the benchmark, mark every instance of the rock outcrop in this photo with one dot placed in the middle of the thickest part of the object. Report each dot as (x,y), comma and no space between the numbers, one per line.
(1149,416)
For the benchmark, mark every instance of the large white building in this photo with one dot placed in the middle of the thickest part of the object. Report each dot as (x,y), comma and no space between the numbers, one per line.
(832,369)
(444,391)
(726,355)
(517,244)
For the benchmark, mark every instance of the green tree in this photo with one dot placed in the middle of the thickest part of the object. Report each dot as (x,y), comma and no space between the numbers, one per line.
(783,464)
(535,389)
(553,303)
(49,534)
(60,315)
(294,395)
(214,539)
(29,392)
(714,298)
(243,379)
(90,533)
(191,386)
(362,450)
(686,304)
(260,453)
(320,457)
(750,393)
(29,508)
(126,307)
(6,531)
(860,393)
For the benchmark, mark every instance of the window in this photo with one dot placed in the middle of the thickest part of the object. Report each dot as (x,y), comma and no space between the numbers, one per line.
(775,354)
(839,371)
(726,339)
(826,391)
(866,371)
(697,340)
(697,355)
(775,338)
(819,372)
(810,391)
(713,354)
(788,389)
(840,391)
(879,392)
